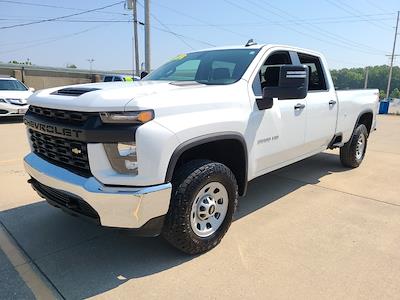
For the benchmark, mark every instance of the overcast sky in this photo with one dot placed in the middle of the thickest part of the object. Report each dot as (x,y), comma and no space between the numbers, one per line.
(349,33)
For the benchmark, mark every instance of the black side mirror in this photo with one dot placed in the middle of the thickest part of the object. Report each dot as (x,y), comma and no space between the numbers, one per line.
(293,83)
(143,74)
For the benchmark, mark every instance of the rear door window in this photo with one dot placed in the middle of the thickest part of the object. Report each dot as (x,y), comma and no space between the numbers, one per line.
(316,77)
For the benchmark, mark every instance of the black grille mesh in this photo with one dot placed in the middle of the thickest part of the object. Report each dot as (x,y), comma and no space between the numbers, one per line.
(61,198)
(71,155)
(65,116)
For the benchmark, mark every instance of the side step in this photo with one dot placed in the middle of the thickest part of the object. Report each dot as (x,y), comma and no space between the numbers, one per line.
(337,145)
(336,141)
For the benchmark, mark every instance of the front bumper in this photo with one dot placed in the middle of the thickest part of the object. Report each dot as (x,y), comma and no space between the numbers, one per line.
(123,207)
(7,110)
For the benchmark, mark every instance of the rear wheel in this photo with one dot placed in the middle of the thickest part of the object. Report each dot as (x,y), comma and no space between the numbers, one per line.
(353,152)
(204,198)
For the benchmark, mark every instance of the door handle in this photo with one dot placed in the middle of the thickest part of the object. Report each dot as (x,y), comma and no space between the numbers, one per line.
(332,102)
(299,106)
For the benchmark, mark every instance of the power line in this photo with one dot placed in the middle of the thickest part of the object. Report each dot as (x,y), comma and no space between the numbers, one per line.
(349,9)
(167,28)
(334,36)
(202,21)
(294,21)
(375,6)
(58,7)
(61,17)
(184,36)
(278,23)
(53,39)
(328,41)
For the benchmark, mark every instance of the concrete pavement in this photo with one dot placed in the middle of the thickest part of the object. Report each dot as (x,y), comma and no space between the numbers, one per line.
(313,230)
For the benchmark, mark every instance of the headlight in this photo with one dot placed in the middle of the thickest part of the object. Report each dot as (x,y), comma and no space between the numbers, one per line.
(127,117)
(3,100)
(122,157)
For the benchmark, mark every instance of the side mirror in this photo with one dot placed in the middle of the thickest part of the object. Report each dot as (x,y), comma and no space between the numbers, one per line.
(31,89)
(293,83)
(143,74)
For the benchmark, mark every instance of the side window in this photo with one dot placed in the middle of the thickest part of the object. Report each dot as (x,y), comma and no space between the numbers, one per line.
(108,78)
(117,78)
(316,80)
(269,71)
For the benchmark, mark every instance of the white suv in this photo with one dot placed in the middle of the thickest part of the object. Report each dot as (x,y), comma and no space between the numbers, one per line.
(13,95)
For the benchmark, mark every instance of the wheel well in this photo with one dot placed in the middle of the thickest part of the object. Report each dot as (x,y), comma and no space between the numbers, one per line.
(230,152)
(366,119)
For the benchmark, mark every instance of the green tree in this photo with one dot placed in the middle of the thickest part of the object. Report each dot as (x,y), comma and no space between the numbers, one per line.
(353,78)
(28,62)
(71,66)
(395,93)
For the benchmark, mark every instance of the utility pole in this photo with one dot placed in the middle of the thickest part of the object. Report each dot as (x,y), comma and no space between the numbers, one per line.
(135,39)
(131,4)
(392,57)
(147,35)
(90,60)
(366,77)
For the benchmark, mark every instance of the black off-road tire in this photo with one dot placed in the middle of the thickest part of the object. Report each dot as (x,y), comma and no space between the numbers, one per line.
(186,184)
(348,156)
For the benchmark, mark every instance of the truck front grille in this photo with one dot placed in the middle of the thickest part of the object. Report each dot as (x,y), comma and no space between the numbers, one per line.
(64,116)
(69,154)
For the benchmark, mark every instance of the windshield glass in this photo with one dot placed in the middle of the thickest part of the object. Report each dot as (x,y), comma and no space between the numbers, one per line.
(208,67)
(11,85)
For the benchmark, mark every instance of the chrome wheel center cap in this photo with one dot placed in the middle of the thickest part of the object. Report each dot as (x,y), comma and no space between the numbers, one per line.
(206,208)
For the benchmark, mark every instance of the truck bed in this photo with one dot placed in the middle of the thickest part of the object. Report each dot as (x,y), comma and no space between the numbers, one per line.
(351,104)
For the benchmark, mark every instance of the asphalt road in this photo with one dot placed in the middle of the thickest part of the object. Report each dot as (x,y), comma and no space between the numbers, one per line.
(313,230)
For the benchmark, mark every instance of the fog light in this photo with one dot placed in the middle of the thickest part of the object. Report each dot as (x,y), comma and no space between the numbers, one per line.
(131,165)
(127,149)
(122,157)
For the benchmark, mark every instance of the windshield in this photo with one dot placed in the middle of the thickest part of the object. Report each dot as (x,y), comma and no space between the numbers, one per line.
(208,67)
(11,85)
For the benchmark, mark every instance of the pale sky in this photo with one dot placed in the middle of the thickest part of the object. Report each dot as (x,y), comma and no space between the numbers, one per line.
(349,33)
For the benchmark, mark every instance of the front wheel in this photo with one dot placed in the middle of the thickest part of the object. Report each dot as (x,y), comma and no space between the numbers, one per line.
(204,199)
(353,152)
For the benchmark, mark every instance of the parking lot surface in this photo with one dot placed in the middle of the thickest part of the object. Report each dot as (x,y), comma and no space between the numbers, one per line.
(311,230)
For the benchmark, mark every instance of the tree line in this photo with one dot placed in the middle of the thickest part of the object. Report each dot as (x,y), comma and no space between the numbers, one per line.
(354,78)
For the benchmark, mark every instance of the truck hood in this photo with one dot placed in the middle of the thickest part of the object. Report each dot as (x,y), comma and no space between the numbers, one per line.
(114,96)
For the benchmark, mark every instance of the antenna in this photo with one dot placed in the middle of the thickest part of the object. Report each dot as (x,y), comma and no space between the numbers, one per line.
(250,42)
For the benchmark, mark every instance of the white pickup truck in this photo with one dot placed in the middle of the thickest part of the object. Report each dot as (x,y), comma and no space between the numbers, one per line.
(171,154)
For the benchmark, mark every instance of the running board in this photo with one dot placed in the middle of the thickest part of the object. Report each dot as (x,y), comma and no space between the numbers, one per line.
(336,145)
(336,141)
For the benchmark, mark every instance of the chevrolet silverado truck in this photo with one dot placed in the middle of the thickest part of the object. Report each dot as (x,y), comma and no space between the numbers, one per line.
(172,153)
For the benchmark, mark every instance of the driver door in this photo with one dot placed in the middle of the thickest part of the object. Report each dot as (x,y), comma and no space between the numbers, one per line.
(280,130)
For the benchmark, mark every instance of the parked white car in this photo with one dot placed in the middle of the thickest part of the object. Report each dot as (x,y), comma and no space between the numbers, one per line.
(13,97)
(171,153)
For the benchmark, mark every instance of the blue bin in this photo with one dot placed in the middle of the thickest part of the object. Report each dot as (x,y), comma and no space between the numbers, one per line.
(383,107)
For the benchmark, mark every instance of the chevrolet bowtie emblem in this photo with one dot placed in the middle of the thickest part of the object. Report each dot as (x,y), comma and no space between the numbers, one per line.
(76,151)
